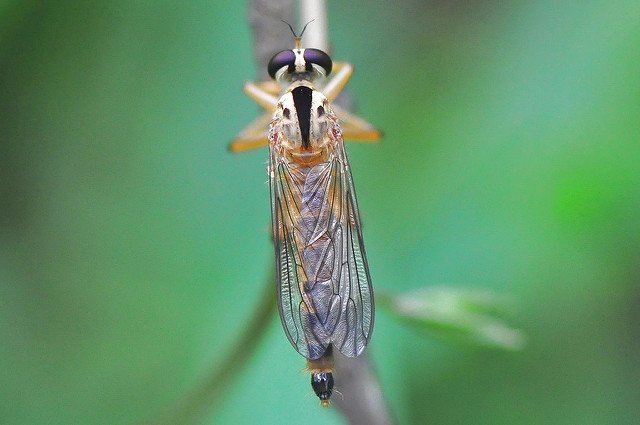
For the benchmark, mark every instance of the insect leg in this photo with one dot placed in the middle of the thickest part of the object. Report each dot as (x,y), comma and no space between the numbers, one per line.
(262,94)
(355,128)
(255,135)
(342,73)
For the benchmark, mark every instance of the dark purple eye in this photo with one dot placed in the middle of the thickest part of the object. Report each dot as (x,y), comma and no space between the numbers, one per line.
(318,57)
(279,60)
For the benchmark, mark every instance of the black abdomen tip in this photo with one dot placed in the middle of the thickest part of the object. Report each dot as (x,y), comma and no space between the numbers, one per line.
(322,384)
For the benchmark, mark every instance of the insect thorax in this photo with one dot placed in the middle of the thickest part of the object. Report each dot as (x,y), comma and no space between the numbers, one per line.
(301,129)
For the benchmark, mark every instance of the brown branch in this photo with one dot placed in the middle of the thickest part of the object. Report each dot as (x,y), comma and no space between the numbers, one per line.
(201,400)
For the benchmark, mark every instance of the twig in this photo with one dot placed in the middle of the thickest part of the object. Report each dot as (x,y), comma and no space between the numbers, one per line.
(358,394)
(196,404)
(317,36)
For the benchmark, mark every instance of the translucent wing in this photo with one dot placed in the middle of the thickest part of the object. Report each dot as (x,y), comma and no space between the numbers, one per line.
(324,287)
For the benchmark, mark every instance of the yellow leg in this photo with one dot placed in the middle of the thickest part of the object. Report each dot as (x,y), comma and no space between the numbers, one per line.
(262,96)
(253,136)
(342,74)
(355,128)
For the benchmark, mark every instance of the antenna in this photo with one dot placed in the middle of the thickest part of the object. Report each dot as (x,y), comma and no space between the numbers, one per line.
(298,38)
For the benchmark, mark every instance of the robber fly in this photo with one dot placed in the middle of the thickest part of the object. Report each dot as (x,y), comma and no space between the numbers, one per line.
(325,296)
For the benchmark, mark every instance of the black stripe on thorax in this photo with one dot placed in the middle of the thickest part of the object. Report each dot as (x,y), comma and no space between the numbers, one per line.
(302,102)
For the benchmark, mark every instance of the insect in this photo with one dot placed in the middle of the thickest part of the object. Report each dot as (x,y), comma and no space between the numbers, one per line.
(325,297)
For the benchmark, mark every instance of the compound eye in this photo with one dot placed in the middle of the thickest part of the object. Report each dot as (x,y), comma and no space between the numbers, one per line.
(318,57)
(280,60)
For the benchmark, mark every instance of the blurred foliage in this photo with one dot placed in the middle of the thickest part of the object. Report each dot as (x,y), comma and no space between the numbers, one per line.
(472,316)
(134,247)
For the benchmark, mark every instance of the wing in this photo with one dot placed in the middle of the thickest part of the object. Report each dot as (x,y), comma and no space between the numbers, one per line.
(324,286)
(285,213)
(353,329)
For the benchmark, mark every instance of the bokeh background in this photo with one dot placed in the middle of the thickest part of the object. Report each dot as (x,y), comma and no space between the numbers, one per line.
(134,247)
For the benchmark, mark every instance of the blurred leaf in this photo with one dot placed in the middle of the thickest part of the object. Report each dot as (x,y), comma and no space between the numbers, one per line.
(466,315)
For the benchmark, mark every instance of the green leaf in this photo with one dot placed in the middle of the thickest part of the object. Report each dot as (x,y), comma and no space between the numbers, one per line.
(464,315)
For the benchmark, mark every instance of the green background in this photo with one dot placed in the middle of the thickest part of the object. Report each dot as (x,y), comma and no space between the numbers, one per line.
(134,247)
